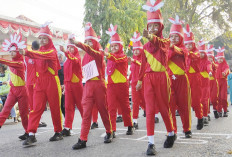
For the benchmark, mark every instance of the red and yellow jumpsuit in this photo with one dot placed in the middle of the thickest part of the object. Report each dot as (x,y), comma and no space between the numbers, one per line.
(47,89)
(157,85)
(94,93)
(18,92)
(73,87)
(181,92)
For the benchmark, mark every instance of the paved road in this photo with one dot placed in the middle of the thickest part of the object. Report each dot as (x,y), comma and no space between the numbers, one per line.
(213,140)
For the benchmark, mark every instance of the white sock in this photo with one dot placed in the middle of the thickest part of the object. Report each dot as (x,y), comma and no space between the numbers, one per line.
(151,139)
(31,134)
(156,115)
(66,128)
(171,133)
(119,115)
(135,121)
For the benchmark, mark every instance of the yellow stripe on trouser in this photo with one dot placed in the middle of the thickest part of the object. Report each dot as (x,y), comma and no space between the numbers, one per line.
(59,93)
(189,102)
(169,96)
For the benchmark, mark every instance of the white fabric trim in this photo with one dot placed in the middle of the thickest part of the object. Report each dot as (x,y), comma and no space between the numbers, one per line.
(116,42)
(190,41)
(202,51)
(220,57)
(154,20)
(45,34)
(175,32)
(210,55)
(91,37)
(137,47)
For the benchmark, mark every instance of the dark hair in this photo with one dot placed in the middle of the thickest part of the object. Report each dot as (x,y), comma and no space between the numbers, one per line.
(3,66)
(35,45)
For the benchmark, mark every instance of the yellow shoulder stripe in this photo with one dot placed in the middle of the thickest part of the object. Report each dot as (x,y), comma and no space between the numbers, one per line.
(39,52)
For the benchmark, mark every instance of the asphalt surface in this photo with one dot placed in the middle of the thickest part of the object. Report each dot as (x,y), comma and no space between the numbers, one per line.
(213,140)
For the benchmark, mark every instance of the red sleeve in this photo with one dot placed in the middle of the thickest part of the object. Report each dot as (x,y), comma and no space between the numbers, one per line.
(13,64)
(117,59)
(143,66)
(194,55)
(227,69)
(49,55)
(161,42)
(95,54)
(209,67)
(137,62)
(72,57)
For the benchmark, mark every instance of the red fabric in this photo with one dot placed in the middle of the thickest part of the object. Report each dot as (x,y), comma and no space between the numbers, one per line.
(137,99)
(194,59)
(73,96)
(205,65)
(180,101)
(156,93)
(205,90)
(94,94)
(195,84)
(30,71)
(94,114)
(46,90)
(30,90)
(118,94)
(214,94)
(135,67)
(222,67)
(16,94)
(223,104)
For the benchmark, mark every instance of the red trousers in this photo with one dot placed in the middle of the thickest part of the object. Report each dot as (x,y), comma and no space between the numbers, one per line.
(46,89)
(205,90)
(195,84)
(118,95)
(20,95)
(222,95)
(214,94)
(137,99)
(94,93)
(30,96)
(181,101)
(95,114)
(73,96)
(157,97)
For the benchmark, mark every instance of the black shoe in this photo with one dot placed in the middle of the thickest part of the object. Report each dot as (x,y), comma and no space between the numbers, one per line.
(216,115)
(228,110)
(57,136)
(225,114)
(114,134)
(200,124)
(29,141)
(42,124)
(169,141)
(209,119)
(188,134)
(65,132)
(108,138)
(119,119)
(220,114)
(144,113)
(156,120)
(79,145)
(205,121)
(177,113)
(130,130)
(136,125)
(24,137)
(151,149)
(94,125)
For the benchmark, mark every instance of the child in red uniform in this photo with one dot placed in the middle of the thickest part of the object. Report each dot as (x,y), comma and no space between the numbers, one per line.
(47,86)
(18,91)
(95,89)
(213,81)
(137,96)
(177,63)
(118,87)
(206,73)
(73,85)
(222,73)
(153,75)
(194,75)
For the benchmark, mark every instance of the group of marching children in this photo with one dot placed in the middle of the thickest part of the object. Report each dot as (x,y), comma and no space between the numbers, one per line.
(167,74)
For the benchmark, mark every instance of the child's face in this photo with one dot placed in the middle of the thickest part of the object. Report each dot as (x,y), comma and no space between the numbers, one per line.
(189,46)
(153,28)
(71,49)
(13,54)
(220,60)
(210,58)
(175,39)
(114,48)
(43,40)
(89,42)
(202,55)
(136,52)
